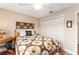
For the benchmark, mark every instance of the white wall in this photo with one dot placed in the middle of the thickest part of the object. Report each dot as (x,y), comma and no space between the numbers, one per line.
(8,21)
(53,28)
(70,34)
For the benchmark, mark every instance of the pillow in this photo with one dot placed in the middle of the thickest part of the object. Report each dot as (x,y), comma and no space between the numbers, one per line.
(17,34)
(28,33)
(22,33)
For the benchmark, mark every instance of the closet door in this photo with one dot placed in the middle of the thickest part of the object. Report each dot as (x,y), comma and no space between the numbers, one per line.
(53,28)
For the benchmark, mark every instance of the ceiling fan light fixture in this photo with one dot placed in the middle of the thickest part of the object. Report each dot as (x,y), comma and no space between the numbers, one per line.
(38,6)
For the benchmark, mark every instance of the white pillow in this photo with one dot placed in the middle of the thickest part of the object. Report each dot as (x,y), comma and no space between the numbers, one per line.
(22,33)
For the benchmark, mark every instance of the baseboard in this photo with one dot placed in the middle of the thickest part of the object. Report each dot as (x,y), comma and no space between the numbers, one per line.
(69,51)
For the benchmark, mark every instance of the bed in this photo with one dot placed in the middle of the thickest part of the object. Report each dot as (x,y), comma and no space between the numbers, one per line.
(28,42)
(37,45)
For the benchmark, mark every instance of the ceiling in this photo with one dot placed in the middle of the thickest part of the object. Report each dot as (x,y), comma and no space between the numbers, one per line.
(29,10)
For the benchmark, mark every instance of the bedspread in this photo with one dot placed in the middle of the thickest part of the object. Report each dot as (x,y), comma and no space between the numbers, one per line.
(37,45)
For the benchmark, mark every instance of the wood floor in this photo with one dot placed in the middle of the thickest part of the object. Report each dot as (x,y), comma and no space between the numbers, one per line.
(8,52)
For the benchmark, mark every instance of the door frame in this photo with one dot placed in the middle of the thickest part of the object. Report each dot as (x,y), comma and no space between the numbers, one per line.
(76,21)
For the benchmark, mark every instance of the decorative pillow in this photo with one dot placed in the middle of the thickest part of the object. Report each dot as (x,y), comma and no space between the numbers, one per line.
(17,34)
(21,32)
(28,33)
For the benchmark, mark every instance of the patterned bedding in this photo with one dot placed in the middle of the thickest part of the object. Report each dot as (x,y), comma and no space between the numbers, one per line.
(37,45)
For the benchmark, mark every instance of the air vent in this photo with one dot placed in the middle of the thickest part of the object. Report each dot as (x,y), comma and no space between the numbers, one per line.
(50,12)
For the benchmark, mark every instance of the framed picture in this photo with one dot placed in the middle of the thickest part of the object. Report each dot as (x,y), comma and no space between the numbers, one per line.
(69,24)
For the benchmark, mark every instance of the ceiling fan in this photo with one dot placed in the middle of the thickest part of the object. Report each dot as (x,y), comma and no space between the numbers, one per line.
(37,6)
